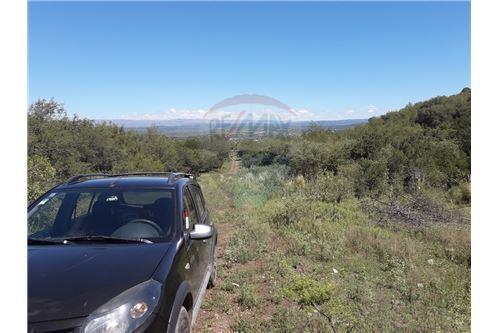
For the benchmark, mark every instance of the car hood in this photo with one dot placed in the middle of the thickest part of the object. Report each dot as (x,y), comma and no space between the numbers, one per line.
(68,281)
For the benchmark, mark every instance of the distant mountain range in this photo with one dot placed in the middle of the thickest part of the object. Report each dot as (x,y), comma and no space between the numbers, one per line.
(187,127)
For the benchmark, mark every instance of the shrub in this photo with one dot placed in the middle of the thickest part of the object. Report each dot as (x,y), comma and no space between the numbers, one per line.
(453,244)
(328,187)
(238,251)
(41,176)
(248,243)
(257,185)
(73,145)
(384,244)
(291,319)
(461,194)
(291,210)
(246,324)
(306,290)
(248,297)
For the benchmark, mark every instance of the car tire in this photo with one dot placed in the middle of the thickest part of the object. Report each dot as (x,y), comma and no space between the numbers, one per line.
(183,324)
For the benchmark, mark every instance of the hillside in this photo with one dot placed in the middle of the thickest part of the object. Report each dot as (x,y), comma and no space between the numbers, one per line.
(60,146)
(290,263)
(423,144)
(190,128)
(366,230)
(361,230)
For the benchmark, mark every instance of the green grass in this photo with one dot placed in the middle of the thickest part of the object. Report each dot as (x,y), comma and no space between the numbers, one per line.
(303,263)
(248,297)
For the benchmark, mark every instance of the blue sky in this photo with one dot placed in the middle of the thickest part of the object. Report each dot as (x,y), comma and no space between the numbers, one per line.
(330,60)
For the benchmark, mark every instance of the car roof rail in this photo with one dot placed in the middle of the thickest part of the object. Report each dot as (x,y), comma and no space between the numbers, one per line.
(178,175)
(172,176)
(152,173)
(78,178)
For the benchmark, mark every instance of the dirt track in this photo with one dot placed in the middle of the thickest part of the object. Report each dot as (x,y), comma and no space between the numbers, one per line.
(235,165)
(210,318)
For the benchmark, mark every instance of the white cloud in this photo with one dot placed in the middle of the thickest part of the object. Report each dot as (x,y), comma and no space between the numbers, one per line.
(372,109)
(350,111)
(201,114)
(303,114)
(170,114)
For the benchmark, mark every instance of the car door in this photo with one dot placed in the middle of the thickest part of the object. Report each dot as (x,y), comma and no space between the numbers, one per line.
(206,244)
(193,247)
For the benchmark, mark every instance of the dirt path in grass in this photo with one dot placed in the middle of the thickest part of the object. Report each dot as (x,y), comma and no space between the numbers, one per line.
(214,320)
(235,165)
(212,317)
(243,288)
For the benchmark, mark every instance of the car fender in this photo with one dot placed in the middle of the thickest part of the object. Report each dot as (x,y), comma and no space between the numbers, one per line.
(181,294)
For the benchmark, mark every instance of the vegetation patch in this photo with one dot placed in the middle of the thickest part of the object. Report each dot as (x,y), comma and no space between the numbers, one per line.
(362,230)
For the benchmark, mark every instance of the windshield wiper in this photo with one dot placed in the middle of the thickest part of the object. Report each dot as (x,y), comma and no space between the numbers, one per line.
(41,241)
(105,239)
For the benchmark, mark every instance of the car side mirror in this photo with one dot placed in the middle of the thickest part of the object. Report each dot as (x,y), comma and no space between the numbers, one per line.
(201,231)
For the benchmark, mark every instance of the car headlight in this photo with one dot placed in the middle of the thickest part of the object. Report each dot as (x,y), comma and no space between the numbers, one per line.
(127,311)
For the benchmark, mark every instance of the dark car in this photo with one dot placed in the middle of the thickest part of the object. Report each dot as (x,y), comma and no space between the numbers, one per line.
(119,253)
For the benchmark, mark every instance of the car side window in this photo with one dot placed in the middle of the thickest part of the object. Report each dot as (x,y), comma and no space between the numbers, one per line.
(189,214)
(82,206)
(198,200)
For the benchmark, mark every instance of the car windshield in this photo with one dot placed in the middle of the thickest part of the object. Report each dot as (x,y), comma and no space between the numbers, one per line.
(102,214)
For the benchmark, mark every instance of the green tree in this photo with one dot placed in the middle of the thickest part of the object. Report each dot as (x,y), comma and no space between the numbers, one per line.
(40,176)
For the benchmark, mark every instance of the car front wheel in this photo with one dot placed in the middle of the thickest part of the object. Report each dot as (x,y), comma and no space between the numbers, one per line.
(183,322)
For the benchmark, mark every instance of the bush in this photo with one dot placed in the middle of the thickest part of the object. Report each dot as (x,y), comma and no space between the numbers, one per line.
(257,185)
(41,176)
(461,194)
(73,146)
(291,210)
(248,297)
(248,243)
(328,187)
(426,144)
(246,325)
(290,319)
(306,290)
(384,244)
